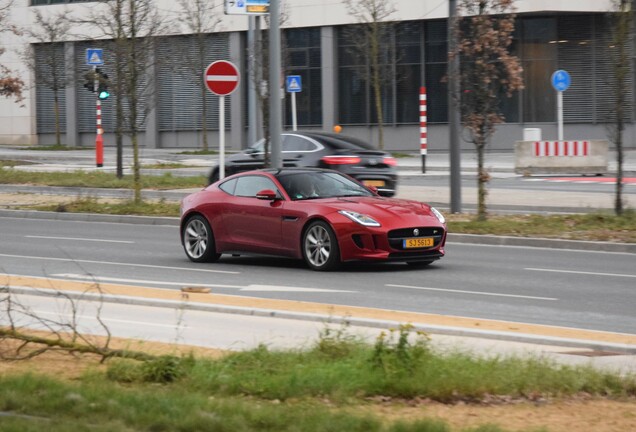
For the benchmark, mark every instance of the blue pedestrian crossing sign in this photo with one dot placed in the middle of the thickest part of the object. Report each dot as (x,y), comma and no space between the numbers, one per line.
(561,80)
(294,84)
(94,56)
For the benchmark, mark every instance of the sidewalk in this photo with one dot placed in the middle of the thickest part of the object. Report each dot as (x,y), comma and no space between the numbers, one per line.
(283,324)
(495,161)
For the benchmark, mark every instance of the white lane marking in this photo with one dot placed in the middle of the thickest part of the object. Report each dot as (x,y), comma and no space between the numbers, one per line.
(118,264)
(274,288)
(474,292)
(139,281)
(79,239)
(548,249)
(253,288)
(581,272)
(93,317)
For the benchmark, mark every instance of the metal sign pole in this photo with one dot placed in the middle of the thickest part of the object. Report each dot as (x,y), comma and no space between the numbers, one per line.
(560,114)
(294,117)
(221,137)
(99,139)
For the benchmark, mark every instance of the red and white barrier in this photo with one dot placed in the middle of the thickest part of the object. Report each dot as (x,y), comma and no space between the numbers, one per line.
(423,130)
(561,148)
(561,157)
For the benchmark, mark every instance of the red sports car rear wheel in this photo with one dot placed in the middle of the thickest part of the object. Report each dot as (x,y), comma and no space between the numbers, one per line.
(198,240)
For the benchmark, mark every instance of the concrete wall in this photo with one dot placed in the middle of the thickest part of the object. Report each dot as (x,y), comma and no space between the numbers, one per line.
(18,120)
(555,161)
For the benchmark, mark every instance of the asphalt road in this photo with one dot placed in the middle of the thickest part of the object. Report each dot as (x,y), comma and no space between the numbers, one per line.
(582,289)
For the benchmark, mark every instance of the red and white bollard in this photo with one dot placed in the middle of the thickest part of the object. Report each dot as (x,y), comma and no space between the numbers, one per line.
(99,139)
(423,130)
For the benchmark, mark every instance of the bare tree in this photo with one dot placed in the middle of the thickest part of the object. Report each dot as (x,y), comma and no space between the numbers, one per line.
(371,42)
(10,85)
(488,72)
(200,19)
(61,333)
(132,25)
(622,21)
(49,62)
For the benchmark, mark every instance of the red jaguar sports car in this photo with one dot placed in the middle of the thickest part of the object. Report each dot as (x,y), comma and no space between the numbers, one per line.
(321,216)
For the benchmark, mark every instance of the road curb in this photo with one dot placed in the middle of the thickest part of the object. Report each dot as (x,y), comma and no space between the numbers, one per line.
(452,238)
(330,319)
(542,243)
(89,217)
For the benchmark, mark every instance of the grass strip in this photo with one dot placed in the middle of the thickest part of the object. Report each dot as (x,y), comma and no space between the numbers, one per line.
(597,226)
(312,389)
(56,147)
(123,207)
(97,179)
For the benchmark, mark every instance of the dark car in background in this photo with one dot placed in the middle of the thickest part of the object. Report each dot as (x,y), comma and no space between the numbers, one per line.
(351,156)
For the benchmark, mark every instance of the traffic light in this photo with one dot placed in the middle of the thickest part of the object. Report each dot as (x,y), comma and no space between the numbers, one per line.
(89,85)
(102,88)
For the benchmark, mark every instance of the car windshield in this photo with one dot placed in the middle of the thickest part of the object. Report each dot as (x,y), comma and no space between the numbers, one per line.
(315,185)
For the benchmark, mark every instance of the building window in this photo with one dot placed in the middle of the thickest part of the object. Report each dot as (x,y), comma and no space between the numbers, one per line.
(539,54)
(303,58)
(436,56)
(180,92)
(50,74)
(416,56)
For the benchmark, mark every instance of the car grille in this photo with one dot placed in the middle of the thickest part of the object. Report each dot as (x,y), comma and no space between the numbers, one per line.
(396,237)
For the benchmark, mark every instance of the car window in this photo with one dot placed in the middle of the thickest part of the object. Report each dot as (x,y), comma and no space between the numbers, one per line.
(249,186)
(228,186)
(313,185)
(295,143)
(258,146)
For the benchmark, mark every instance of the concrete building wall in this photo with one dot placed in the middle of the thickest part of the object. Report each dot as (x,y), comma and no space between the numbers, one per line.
(18,120)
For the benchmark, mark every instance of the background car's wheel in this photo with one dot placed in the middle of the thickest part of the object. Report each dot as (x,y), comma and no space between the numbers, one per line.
(198,240)
(320,247)
(214,176)
(419,264)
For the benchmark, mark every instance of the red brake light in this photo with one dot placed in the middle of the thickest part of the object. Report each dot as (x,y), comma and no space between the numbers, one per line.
(341,160)
(391,161)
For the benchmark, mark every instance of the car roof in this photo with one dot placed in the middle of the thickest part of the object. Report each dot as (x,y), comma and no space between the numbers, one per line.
(336,140)
(295,170)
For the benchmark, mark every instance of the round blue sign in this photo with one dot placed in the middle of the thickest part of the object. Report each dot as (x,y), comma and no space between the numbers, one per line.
(561,80)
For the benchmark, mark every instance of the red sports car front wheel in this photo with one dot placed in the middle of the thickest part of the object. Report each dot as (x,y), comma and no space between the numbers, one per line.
(320,247)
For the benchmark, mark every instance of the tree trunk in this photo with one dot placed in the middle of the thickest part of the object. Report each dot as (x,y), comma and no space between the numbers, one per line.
(56,108)
(74,347)
(204,118)
(482,179)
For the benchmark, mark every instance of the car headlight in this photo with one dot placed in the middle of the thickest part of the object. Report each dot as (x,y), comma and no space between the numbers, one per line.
(360,218)
(438,215)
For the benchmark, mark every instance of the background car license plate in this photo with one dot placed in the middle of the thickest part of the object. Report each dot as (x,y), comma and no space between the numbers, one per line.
(376,183)
(418,242)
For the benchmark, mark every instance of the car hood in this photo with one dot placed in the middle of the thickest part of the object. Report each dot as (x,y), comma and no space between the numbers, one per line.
(381,208)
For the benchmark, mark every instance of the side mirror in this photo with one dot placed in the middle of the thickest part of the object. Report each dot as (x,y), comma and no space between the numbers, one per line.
(373,189)
(266,194)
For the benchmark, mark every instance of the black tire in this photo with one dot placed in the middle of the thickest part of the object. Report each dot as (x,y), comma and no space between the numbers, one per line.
(320,247)
(419,264)
(198,240)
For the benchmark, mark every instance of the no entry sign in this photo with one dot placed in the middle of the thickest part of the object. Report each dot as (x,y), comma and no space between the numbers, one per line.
(221,77)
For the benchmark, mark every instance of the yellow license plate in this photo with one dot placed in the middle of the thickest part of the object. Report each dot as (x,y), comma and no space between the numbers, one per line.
(418,242)
(257,9)
(376,183)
